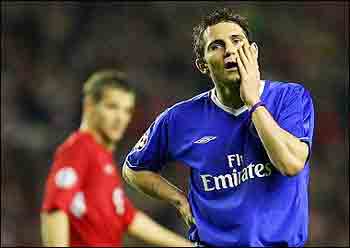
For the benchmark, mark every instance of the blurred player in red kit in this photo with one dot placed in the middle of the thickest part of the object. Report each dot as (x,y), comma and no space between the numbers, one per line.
(84,202)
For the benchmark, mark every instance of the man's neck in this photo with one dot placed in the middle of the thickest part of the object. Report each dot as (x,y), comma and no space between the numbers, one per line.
(229,96)
(99,138)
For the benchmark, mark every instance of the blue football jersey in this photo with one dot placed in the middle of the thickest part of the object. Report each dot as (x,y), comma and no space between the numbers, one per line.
(236,195)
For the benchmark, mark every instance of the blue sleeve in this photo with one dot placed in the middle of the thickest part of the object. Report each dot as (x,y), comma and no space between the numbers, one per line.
(297,115)
(151,151)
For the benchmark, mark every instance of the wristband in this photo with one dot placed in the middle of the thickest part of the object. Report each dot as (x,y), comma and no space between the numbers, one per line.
(255,106)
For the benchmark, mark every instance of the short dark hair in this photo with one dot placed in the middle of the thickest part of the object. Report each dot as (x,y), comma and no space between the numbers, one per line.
(102,79)
(215,17)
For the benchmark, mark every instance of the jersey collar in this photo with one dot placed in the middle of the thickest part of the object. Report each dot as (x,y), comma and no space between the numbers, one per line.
(230,110)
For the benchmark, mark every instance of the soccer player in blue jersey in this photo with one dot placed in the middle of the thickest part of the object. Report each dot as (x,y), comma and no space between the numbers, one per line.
(247,142)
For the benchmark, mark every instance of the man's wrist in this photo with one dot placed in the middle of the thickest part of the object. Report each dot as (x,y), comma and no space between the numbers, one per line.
(255,106)
(252,103)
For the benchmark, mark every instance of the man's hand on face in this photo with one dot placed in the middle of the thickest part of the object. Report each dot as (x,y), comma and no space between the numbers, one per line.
(250,74)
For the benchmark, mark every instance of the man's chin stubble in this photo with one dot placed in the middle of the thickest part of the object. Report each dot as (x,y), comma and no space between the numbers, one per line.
(234,82)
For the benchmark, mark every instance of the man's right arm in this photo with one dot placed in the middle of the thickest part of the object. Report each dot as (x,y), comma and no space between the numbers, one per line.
(55,229)
(145,228)
(154,185)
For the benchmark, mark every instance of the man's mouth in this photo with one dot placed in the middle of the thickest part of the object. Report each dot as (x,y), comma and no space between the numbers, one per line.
(231,65)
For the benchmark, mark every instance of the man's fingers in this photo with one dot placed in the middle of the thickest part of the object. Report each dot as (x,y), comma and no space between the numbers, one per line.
(243,58)
(254,50)
(241,68)
(189,221)
(187,216)
(247,52)
(193,221)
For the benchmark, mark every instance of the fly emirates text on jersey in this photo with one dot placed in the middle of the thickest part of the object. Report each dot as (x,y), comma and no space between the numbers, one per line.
(235,178)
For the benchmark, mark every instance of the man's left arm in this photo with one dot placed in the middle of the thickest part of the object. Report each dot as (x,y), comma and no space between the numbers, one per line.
(287,153)
(281,139)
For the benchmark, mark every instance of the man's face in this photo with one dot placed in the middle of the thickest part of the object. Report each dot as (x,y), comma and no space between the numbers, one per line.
(222,42)
(112,114)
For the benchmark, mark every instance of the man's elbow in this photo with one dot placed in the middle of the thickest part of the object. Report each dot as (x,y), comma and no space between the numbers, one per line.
(132,177)
(293,169)
(127,173)
(296,163)
(124,172)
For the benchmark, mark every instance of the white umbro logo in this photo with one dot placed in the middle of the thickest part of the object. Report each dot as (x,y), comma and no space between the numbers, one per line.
(205,139)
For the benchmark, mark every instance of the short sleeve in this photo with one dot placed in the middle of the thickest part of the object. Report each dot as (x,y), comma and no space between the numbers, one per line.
(151,151)
(65,180)
(297,115)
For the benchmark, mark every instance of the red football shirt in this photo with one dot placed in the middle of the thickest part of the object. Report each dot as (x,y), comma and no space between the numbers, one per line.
(84,183)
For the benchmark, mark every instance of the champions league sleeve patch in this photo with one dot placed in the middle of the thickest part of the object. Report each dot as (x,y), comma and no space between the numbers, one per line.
(66,178)
(142,142)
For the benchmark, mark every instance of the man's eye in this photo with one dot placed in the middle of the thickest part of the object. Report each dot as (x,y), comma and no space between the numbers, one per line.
(216,46)
(236,41)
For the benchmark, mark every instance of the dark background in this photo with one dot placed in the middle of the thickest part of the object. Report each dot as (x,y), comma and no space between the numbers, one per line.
(49,49)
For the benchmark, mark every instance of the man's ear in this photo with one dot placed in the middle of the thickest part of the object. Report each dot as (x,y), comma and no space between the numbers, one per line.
(202,66)
(88,104)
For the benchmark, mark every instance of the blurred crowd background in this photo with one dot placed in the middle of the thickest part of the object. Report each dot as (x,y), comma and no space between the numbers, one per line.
(49,50)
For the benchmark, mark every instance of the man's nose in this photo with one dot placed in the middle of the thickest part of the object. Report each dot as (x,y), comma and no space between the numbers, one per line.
(230,49)
(120,117)
(117,117)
